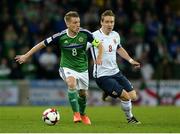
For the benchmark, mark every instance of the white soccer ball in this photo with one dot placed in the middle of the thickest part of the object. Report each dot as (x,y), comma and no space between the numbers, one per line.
(51,116)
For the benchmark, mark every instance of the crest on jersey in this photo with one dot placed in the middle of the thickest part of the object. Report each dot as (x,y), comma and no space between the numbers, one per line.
(81,39)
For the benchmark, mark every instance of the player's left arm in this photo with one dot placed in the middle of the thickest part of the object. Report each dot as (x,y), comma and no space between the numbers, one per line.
(123,53)
(98,44)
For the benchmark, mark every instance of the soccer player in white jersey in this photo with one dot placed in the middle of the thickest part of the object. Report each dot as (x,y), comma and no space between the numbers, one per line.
(108,76)
(74,62)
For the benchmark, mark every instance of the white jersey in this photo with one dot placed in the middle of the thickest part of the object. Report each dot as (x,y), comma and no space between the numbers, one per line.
(110,43)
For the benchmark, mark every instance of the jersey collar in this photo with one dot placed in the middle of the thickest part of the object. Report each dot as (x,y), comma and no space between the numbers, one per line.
(104,33)
(69,35)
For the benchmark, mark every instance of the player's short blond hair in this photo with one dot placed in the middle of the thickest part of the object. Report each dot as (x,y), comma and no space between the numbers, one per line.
(69,15)
(107,13)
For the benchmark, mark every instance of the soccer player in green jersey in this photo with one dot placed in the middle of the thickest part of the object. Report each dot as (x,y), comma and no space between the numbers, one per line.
(74,62)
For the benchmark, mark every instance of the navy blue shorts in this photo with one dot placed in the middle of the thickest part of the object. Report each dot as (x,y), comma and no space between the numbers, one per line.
(113,85)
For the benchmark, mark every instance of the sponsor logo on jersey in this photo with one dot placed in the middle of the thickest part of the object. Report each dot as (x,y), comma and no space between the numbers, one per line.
(65,41)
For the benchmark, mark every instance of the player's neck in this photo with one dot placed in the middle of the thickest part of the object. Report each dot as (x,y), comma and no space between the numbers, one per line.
(104,31)
(71,33)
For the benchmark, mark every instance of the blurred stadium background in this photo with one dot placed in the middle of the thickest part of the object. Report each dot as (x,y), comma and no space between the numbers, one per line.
(149,31)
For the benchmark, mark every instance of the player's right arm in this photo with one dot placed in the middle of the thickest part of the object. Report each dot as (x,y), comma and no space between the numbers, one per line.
(23,58)
(49,41)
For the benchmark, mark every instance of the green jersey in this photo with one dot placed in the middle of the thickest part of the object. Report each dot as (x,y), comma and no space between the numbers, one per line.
(73,49)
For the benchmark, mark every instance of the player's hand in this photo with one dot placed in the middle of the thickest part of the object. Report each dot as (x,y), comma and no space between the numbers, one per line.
(135,64)
(98,61)
(21,58)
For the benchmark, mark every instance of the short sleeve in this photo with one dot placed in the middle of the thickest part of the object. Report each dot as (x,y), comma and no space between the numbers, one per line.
(91,39)
(52,40)
(118,40)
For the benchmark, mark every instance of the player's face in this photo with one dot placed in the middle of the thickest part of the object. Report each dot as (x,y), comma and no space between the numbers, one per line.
(107,24)
(74,25)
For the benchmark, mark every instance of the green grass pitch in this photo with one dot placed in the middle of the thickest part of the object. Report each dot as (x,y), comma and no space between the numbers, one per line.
(106,119)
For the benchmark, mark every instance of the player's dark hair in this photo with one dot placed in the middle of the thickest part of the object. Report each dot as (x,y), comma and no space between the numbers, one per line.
(107,13)
(69,15)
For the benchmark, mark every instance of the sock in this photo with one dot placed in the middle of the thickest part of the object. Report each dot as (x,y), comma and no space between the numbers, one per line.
(126,106)
(82,104)
(72,95)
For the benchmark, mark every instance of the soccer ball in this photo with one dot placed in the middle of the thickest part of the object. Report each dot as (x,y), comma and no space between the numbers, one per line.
(51,116)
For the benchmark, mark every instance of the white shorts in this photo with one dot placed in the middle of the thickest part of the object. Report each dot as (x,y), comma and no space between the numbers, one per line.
(81,78)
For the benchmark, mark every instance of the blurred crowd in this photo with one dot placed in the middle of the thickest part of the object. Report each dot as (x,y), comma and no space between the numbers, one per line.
(149,31)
